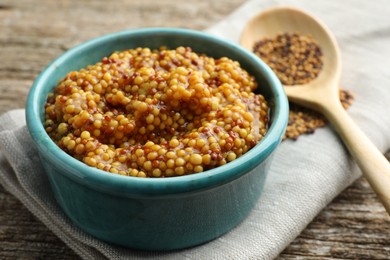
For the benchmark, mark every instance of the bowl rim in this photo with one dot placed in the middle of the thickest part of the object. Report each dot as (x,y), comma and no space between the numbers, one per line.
(109,182)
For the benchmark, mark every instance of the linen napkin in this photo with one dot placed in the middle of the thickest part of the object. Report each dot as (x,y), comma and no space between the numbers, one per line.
(305,175)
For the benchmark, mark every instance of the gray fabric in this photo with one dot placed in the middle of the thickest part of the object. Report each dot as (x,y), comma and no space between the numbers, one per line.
(305,176)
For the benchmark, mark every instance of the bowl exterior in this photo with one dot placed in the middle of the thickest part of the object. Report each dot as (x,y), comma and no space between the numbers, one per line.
(158,222)
(156,214)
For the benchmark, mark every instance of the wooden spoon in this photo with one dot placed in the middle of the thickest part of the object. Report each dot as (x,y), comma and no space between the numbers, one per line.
(322,93)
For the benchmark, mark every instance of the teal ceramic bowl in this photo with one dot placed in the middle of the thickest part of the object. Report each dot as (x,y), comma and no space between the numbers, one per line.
(166,213)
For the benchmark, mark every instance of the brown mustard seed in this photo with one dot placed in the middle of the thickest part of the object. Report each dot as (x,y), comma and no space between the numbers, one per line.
(297,59)
(305,121)
(157,113)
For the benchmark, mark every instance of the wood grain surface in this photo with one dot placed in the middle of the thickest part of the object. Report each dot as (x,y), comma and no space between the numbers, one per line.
(34,32)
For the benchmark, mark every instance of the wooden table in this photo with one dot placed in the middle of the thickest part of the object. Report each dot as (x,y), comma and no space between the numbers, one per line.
(34,32)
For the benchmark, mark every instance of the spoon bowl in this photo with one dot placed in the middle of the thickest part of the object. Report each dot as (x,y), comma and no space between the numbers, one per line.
(274,21)
(322,93)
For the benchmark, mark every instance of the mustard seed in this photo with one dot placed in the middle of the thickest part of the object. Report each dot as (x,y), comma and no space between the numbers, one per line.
(297,59)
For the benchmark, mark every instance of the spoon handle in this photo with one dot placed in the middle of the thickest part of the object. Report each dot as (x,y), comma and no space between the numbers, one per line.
(374,165)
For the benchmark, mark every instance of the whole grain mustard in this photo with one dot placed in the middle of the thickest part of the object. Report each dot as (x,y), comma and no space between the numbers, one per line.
(157,113)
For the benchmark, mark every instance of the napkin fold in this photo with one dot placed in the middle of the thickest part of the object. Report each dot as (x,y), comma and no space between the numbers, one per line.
(305,175)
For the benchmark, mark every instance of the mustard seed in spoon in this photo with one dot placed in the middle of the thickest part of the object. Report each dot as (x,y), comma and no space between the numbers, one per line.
(297,59)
